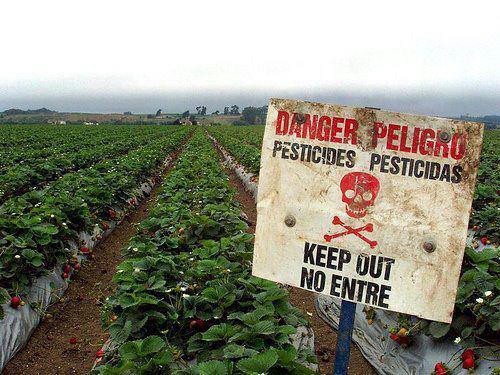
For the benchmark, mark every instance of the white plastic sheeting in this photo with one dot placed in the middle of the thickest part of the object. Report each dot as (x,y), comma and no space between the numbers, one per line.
(18,324)
(246,178)
(385,355)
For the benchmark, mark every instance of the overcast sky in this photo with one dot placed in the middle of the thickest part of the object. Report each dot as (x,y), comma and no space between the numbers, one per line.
(434,57)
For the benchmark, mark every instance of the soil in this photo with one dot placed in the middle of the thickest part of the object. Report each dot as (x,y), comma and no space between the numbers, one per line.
(325,338)
(78,313)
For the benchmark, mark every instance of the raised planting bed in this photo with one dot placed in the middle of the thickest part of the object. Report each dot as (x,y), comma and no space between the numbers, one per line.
(47,233)
(186,302)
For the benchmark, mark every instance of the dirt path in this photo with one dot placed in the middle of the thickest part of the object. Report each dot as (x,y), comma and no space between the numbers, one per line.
(325,337)
(77,314)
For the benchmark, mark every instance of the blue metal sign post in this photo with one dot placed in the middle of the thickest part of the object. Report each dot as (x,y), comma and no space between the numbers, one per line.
(343,350)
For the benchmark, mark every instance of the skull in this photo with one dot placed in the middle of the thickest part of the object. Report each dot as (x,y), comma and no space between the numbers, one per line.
(359,191)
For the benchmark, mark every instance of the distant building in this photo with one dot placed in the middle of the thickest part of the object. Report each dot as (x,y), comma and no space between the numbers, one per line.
(186,121)
(56,122)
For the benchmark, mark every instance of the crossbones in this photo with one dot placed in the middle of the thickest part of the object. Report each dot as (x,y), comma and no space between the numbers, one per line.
(351,230)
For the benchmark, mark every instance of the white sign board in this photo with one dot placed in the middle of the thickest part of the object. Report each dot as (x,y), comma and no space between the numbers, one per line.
(366,205)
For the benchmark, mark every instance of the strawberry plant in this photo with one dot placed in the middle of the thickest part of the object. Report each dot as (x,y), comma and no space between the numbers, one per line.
(38,226)
(185,288)
(244,146)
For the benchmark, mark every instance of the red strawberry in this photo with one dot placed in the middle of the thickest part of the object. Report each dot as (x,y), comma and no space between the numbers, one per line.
(440,369)
(468,353)
(105,225)
(469,363)
(394,337)
(112,214)
(404,340)
(99,237)
(197,324)
(100,353)
(73,340)
(475,227)
(67,268)
(65,275)
(78,267)
(85,250)
(484,240)
(15,302)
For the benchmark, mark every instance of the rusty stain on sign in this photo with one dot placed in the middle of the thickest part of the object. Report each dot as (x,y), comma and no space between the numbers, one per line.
(366,205)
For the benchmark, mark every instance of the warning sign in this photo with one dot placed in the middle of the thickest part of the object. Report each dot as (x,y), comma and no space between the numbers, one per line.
(366,205)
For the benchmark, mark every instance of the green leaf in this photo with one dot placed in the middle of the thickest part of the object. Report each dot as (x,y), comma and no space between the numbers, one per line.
(495,321)
(151,344)
(4,296)
(34,257)
(220,332)
(266,327)
(212,368)
(120,333)
(259,364)
(438,329)
(479,256)
(466,332)
(287,356)
(130,350)
(233,351)
(271,295)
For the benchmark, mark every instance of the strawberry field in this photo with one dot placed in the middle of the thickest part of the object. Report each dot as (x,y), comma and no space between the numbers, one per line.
(62,201)
(182,299)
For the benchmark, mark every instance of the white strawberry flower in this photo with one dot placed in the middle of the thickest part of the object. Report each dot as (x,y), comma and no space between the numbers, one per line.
(185,295)
(457,340)
(17,256)
(479,300)
(488,293)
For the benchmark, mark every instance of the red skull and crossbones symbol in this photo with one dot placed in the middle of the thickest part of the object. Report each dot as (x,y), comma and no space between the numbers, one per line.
(359,191)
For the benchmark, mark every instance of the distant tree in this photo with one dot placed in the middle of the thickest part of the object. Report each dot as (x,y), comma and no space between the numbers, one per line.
(185,114)
(235,110)
(216,113)
(128,113)
(158,113)
(193,120)
(177,121)
(201,110)
(226,111)
(149,116)
(254,115)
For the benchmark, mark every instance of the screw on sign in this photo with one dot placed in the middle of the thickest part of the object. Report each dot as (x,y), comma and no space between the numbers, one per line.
(346,207)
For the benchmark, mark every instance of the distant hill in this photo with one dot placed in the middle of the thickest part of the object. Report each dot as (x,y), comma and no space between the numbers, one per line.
(490,121)
(16,111)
